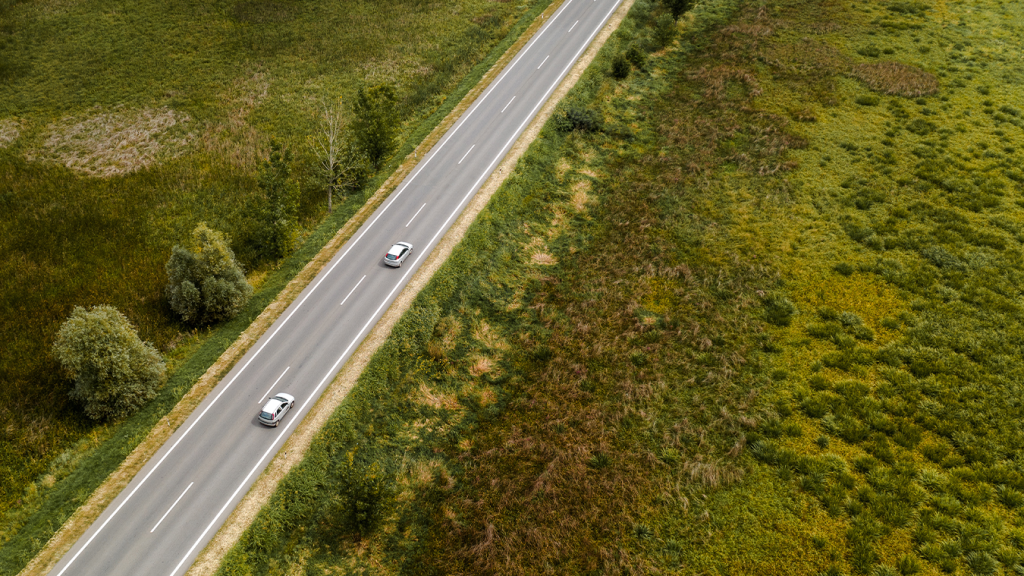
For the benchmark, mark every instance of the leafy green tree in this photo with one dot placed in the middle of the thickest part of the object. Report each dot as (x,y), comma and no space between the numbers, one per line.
(376,121)
(205,283)
(269,229)
(115,372)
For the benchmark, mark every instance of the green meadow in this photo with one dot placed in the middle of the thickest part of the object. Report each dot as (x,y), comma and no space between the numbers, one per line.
(124,125)
(752,307)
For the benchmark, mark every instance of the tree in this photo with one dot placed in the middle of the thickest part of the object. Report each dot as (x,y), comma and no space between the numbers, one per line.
(342,164)
(205,283)
(115,372)
(376,121)
(269,228)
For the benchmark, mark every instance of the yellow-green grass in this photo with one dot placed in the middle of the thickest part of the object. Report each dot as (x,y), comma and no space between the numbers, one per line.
(632,410)
(73,239)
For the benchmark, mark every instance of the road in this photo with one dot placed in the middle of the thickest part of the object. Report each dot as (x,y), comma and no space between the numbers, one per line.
(176,503)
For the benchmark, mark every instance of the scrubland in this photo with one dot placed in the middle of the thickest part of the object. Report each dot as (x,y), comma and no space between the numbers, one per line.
(759,313)
(124,126)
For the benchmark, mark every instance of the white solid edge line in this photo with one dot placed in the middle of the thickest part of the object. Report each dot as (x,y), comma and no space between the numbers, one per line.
(426,161)
(510,101)
(354,287)
(467,153)
(171,508)
(359,334)
(274,384)
(573,26)
(416,214)
(543,61)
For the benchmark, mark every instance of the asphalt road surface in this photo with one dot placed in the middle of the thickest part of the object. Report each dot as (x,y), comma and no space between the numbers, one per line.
(162,520)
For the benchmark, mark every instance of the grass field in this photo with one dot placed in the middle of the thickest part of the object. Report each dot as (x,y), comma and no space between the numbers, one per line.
(123,127)
(767,320)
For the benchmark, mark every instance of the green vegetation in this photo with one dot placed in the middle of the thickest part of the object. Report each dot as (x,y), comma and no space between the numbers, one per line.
(71,239)
(269,228)
(115,373)
(205,283)
(375,122)
(762,317)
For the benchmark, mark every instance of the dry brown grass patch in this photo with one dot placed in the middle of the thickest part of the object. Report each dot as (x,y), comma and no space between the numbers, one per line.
(808,57)
(561,168)
(718,79)
(437,399)
(544,259)
(896,79)
(487,397)
(10,129)
(713,474)
(481,365)
(115,142)
(486,335)
(580,195)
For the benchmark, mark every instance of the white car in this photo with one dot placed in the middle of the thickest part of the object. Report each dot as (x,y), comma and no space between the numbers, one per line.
(275,408)
(397,254)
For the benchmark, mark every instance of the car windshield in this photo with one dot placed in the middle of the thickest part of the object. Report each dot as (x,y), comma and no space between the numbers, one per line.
(266,415)
(391,256)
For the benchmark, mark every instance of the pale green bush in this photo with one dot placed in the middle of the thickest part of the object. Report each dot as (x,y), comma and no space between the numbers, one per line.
(115,372)
(205,283)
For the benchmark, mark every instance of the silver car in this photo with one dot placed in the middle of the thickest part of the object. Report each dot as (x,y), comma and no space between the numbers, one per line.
(397,254)
(275,408)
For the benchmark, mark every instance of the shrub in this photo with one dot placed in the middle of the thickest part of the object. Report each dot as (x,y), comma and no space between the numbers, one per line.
(867,100)
(909,565)
(843,268)
(359,501)
(620,67)
(574,117)
(115,372)
(779,310)
(376,121)
(982,563)
(636,56)
(205,283)
(1009,497)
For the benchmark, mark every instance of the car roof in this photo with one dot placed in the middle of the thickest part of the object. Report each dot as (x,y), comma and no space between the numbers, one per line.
(273,403)
(397,248)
